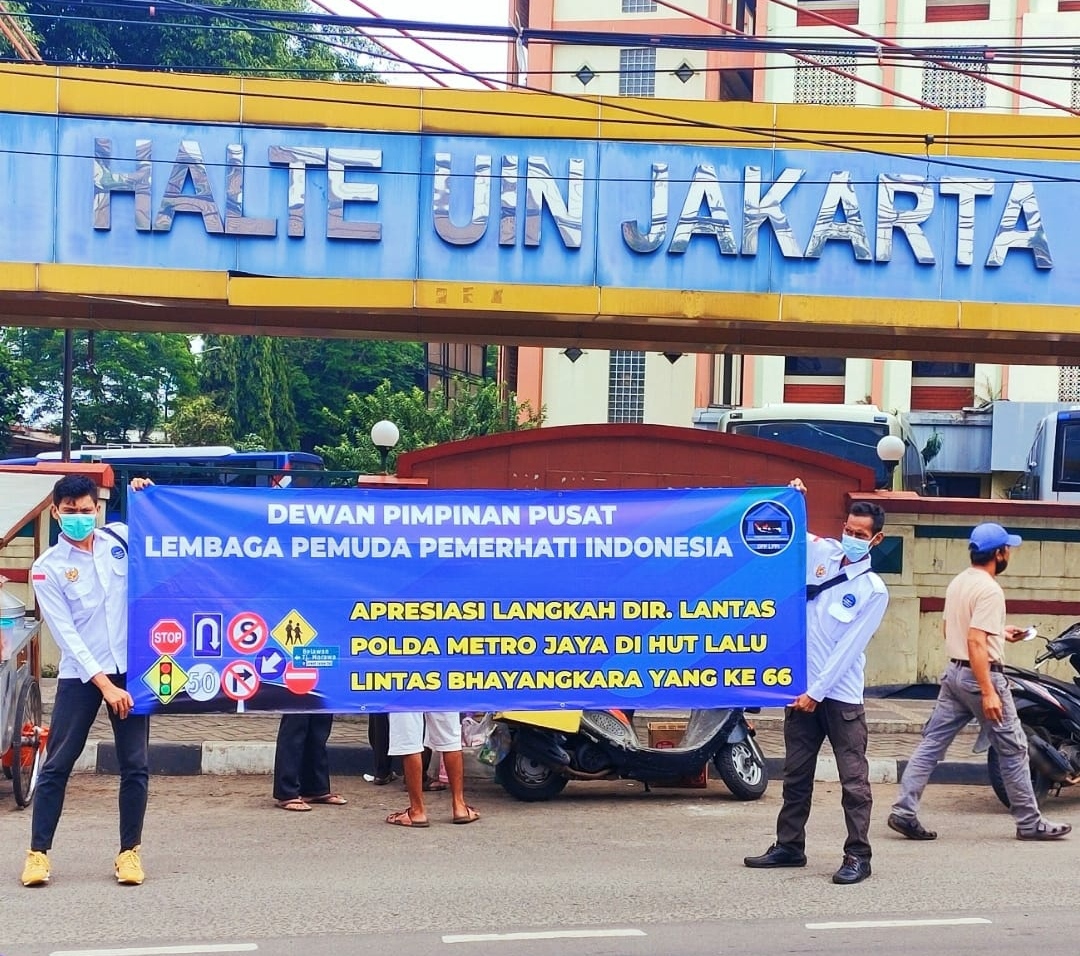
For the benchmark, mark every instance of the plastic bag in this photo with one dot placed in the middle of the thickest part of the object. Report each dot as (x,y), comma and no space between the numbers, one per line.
(475,729)
(496,745)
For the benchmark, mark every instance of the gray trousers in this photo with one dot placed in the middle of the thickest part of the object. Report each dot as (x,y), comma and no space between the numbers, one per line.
(959,700)
(845,727)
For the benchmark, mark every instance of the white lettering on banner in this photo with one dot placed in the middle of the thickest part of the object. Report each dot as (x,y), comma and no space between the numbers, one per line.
(322,514)
(209,546)
(452,514)
(351,548)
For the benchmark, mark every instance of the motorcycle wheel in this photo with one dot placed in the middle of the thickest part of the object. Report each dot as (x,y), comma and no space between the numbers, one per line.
(526,779)
(742,768)
(1040,783)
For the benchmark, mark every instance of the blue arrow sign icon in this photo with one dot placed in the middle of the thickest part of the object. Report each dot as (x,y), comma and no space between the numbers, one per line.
(206,631)
(270,663)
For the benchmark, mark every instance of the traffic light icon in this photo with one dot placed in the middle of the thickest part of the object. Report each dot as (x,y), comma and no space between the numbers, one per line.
(165,677)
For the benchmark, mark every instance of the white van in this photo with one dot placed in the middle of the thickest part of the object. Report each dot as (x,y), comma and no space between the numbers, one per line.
(851,432)
(1053,464)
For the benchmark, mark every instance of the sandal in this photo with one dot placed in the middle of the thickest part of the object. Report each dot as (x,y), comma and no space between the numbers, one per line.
(333,799)
(404,818)
(1045,831)
(296,804)
(471,816)
(383,781)
(433,784)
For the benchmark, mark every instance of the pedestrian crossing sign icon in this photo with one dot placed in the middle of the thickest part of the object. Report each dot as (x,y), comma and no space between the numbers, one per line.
(165,679)
(293,631)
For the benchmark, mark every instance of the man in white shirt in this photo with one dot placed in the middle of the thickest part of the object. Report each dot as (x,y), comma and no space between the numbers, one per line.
(81,587)
(845,604)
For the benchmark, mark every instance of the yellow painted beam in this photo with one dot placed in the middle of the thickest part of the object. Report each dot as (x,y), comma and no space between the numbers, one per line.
(855,312)
(355,294)
(148,284)
(28,89)
(1000,317)
(498,113)
(687,121)
(557,300)
(690,304)
(365,106)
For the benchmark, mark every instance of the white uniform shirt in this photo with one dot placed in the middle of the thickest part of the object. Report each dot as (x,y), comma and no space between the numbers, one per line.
(83,598)
(840,622)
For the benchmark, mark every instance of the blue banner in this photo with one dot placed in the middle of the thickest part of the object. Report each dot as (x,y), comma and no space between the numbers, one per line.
(357,600)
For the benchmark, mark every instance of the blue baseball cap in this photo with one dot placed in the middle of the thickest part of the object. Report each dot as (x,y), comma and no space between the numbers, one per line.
(989,537)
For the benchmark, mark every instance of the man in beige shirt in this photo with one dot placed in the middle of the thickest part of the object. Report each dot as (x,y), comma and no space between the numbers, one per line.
(974,686)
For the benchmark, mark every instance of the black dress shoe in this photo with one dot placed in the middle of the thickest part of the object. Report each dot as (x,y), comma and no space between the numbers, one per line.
(776,855)
(854,869)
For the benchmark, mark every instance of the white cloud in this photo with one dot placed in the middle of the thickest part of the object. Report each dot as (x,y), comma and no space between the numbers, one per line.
(487,57)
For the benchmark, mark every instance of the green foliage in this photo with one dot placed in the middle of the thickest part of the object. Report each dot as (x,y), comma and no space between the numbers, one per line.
(172,39)
(14,378)
(123,383)
(251,442)
(932,447)
(421,422)
(325,372)
(199,421)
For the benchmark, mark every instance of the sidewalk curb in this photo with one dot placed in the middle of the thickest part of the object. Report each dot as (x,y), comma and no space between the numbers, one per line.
(230,757)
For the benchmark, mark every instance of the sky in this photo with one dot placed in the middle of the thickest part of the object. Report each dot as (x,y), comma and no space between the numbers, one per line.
(482,57)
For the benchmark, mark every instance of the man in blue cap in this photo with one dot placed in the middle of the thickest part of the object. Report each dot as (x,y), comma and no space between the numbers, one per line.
(974,686)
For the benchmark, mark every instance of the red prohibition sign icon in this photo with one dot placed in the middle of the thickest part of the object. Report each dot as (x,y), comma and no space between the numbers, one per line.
(247,633)
(239,680)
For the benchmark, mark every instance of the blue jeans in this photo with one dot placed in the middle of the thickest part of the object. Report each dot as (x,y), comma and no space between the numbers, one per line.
(74,712)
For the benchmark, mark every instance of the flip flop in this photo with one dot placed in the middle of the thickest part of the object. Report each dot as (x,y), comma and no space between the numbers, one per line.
(296,804)
(471,816)
(403,818)
(333,799)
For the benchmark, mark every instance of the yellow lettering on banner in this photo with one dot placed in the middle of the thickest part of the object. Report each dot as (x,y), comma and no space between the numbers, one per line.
(632,610)
(543,680)
(776,676)
(480,645)
(727,608)
(737,643)
(395,681)
(575,644)
(419,611)
(673,643)
(739,677)
(627,643)
(393,646)
(689,677)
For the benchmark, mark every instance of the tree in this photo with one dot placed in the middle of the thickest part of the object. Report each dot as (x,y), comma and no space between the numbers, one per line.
(324,372)
(122,382)
(421,421)
(187,38)
(199,421)
(14,379)
(248,377)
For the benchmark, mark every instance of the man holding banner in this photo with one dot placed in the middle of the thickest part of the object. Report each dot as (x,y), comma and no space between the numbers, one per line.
(845,604)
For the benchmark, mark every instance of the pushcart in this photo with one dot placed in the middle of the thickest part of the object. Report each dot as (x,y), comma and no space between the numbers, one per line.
(22,734)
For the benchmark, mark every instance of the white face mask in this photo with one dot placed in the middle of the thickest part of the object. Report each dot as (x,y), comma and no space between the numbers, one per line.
(855,549)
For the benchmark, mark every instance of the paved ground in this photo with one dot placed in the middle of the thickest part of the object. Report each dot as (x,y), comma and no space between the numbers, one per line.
(243,743)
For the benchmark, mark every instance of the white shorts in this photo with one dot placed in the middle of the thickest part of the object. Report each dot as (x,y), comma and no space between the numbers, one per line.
(411,733)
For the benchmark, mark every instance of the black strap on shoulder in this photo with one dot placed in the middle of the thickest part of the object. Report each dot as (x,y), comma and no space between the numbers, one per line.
(112,534)
(813,590)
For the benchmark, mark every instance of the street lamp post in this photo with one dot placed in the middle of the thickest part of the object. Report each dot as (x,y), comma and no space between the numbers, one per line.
(890,450)
(384,436)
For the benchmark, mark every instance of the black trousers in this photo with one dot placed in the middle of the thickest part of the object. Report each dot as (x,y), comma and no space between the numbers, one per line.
(74,712)
(301,761)
(378,735)
(845,727)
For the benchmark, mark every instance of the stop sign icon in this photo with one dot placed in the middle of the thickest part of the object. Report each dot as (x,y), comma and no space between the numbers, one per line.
(167,636)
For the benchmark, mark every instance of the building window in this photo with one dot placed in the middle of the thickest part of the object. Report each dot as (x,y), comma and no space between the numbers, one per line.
(1069,384)
(626,386)
(817,85)
(638,6)
(637,72)
(942,386)
(810,379)
(955,91)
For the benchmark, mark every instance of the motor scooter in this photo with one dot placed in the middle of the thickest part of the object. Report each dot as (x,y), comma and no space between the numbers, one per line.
(538,753)
(1049,710)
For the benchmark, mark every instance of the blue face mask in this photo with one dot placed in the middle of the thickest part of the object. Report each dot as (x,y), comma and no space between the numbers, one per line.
(78,527)
(855,549)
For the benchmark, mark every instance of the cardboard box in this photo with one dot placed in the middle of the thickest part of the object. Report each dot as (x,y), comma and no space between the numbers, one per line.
(669,733)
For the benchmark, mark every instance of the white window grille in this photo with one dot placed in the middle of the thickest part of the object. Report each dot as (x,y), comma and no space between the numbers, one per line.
(1074,91)
(638,6)
(1069,383)
(955,91)
(637,72)
(820,86)
(626,386)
